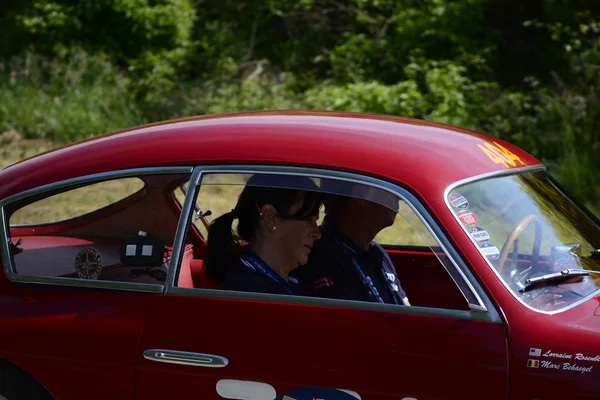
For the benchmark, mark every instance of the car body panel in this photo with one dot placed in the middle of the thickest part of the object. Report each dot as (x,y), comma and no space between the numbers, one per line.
(289,346)
(73,340)
(560,341)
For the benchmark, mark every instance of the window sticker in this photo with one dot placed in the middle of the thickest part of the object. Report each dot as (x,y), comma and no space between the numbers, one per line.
(500,155)
(458,200)
(467,217)
(479,234)
(490,251)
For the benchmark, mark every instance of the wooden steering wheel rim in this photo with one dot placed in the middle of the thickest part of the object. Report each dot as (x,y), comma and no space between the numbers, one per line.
(514,234)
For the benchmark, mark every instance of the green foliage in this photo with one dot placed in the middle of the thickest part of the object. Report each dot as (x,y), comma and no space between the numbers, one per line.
(152,38)
(527,72)
(68,98)
(212,97)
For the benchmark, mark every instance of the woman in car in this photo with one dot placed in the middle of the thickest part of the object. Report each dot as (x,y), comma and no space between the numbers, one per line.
(279,226)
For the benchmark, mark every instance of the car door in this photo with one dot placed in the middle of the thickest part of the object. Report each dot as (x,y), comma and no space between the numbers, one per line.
(74,334)
(378,354)
(203,343)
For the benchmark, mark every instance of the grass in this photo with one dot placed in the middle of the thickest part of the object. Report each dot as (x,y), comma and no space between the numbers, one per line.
(14,149)
(77,202)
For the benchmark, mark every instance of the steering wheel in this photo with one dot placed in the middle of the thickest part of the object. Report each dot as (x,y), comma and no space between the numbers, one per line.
(512,240)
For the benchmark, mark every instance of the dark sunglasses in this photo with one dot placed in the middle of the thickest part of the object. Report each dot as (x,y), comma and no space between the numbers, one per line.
(306,218)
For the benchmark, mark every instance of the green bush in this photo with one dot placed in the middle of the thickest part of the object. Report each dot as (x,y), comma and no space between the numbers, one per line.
(526,72)
(70,97)
(152,38)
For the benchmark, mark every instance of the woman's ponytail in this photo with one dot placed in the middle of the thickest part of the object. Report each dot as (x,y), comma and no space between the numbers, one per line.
(221,251)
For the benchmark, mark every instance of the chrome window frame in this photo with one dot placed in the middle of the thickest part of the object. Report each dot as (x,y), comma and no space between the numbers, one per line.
(78,182)
(483,309)
(498,174)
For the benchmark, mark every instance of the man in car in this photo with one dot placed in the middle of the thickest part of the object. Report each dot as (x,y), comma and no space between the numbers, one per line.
(346,263)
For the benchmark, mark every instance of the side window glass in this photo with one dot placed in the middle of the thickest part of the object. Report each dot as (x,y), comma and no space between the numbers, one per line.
(77,202)
(407,230)
(119,230)
(303,235)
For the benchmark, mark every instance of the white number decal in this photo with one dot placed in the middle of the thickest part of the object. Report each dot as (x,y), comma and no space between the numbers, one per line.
(245,390)
(249,390)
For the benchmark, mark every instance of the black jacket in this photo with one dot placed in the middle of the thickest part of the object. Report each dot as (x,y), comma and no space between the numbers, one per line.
(330,271)
(242,278)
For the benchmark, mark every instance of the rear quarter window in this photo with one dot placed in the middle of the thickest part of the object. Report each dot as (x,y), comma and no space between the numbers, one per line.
(77,202)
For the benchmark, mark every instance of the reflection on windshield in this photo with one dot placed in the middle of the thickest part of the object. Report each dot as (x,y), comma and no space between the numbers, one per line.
(525,227)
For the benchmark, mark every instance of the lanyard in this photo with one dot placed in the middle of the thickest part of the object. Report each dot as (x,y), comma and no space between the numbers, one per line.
(253,262)
(366,280)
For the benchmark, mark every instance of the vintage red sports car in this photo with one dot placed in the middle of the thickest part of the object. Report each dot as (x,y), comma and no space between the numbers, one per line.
(103,294)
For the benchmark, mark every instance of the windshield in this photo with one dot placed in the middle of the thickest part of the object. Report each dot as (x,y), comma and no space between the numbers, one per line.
(525,227)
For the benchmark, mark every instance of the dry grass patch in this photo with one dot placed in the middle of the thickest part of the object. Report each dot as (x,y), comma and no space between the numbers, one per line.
(14,149)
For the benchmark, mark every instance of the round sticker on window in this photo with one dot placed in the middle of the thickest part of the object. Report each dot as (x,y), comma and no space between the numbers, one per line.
(479,234)
(490,251)
(458,200)
(467,217)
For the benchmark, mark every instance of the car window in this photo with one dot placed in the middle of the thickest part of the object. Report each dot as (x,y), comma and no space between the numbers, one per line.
(407,229)
(76,202)
(115,230)
(525,228)
(394,225)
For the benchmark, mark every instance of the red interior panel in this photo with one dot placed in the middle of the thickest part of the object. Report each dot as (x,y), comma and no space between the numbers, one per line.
(54,256)
(426,281)
(423,277)
(199,277)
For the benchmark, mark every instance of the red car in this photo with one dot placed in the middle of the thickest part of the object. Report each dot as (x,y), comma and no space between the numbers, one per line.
(103,293)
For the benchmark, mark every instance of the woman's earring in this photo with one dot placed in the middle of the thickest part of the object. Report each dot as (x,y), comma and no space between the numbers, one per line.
(274,227)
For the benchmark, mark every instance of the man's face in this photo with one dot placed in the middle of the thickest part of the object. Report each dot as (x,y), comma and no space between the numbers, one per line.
(381,216)
(375,215)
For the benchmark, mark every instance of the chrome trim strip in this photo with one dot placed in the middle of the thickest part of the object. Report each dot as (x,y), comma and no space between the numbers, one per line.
(186,358)
(345,304)
(496,174)
(474,307)
(408,198)
(185,220)
(4,246)
(72,282)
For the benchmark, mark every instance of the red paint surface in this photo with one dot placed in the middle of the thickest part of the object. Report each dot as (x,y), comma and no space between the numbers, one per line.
(79,344)
(379,355)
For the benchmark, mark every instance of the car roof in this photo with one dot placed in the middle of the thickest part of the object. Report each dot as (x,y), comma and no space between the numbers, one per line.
(423,156)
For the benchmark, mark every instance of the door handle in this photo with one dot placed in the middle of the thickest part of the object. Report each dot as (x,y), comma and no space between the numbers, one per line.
(186,358)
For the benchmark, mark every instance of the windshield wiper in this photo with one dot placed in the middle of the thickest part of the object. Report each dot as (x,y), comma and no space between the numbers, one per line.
(556,277)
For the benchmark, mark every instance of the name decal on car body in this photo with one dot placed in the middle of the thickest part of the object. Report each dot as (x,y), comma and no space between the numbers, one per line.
(536,363)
